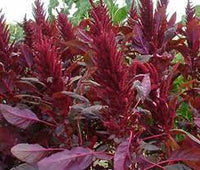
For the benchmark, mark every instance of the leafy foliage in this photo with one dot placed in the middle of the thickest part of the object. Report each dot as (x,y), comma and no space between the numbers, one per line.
(109,92)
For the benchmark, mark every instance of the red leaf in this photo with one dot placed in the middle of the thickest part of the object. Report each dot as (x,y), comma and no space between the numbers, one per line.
(30,153)
(172,20)
(26,86)
(25,167)
(71,94)
(139,43)
(197,122)
(21,118)
(8,138)
(92,111)
(78,46)
(6,82)
(190,136)
(77,158)
(143,88)
(102,155)
(177,167)
(122,155)
(146,85)
(27,56)
(186,154)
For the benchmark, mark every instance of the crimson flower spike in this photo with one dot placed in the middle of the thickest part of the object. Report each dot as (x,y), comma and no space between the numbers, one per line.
(4,41)
(190,12)
(146,18)
(65,27)
(132,15)
(38,12)
(48,64)
(114,90)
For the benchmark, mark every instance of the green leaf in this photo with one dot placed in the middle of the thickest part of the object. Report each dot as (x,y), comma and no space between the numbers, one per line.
(120,15)
(52,5)
(184,111)
(16,32)
(177,83)
(197,8)
(178,59)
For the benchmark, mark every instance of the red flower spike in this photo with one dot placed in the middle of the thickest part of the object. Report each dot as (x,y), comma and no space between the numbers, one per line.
(5,49)
(190,12)
(48,65)
(65,27)
(133,16)
(41,21)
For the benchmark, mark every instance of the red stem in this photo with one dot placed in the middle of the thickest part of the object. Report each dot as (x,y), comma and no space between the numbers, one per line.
(154,136)
(129,117)
(47,123)
(79,131)
(160,163)
(153,164)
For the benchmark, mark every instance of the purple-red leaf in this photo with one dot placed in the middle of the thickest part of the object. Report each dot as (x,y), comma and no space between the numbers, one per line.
(139,43)
(72,95)
(31,153)
(122,155)
(146,85)
(27,56)
(21,118)
(103,155)
(172,20)
(190,136)
(143,88)
(25,167)
(186,154)
(77,158)
(77,45)
(197,122)
(92,111)
(177,167)
(6,82)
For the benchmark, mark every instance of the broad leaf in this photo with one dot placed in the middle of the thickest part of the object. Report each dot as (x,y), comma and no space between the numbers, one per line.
(186,154)
(71,94)
(92,111)
(139,43)
(31,153)
(149,147)
(120,15)
(177,167)
(122,155)
(25,167)
(27,56)
(78,46)
(8,138)
(6,82)
(190,136)
(77,158)
(21,118)
(146,85)
(197,122)
(34,81)
(143,88)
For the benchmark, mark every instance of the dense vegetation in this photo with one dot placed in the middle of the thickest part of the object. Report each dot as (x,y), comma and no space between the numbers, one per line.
(109,92)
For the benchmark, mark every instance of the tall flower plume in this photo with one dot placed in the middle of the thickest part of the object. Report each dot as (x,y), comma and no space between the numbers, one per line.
(4,42)
(111,72)
(48,64)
